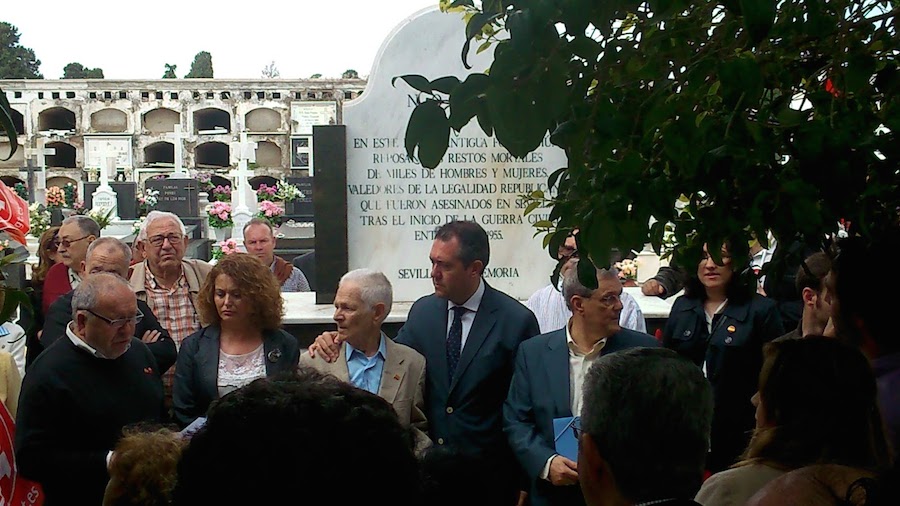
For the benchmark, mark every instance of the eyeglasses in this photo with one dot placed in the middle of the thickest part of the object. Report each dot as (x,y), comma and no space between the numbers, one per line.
(158,240)
(67,243)
(121,322)
(609,300)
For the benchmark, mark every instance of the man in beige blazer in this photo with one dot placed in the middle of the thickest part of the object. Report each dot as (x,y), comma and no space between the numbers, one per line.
(368,358)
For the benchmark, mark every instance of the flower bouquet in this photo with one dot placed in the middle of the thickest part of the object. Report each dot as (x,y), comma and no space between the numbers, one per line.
(101,215)
(628,270)
(39,219)
(222,248)
(270,212)
(56,199)
(219,215)
(266,192)
(220,194)
(147,200)
(288,192)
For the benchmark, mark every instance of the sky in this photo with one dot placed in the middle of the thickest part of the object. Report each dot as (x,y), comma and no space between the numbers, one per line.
(134,40)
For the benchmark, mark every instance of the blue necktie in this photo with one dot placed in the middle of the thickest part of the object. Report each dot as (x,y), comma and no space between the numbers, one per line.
(454,340)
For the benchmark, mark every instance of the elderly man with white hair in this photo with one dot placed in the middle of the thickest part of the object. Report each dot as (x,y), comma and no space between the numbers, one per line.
(167,281)
(368,358)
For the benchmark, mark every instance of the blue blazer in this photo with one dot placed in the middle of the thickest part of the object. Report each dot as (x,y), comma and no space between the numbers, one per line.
(540,392)
(197,368)
(465,412)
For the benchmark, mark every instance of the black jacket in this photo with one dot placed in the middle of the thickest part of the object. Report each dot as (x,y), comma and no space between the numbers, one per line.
(733,359)
(60,314)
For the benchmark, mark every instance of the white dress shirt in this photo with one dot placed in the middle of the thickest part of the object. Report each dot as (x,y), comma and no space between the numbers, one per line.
(468,317)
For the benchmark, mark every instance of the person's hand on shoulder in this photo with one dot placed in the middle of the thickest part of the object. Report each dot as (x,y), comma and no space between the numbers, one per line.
(328,345)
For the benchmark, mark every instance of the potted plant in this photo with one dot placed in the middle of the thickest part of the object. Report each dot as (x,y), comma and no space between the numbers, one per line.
(222,248)
(270,212)
(221,194)
(286,192)
(102,216)
(220,219)
(266,192)
(147,200)
(628,271)
(39,219)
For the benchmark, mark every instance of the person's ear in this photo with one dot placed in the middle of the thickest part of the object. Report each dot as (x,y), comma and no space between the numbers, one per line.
(809,296)
(476,268)
(379,313)
(577,304)
(80,323)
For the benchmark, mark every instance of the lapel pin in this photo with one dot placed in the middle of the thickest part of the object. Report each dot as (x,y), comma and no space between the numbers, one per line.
(728,340)
(397,377)
(274,355)
(731,328)
(687,333)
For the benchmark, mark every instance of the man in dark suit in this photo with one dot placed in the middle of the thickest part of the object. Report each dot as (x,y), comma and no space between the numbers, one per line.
(111,255)
(468,333)
(548,379)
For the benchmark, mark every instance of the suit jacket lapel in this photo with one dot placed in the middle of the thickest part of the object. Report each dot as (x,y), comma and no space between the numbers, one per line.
(339,367)
(557,369)
(392,373)
(481,327)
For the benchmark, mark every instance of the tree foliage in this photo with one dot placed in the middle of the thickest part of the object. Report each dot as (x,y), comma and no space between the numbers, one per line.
(316,76)
(201,67)
(270,71)
(170,71)
(350,74)
(16,61)
(761,115)
(79,71)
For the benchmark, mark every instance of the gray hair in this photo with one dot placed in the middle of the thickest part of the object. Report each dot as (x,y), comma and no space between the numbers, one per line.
(88,293)
(259,221)
(649,411)
(86,224)
(572,285)
(109,242)
(374,287)
(158,215)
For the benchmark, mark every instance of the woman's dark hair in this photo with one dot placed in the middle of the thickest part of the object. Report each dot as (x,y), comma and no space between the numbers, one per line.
(46,245)
(819,401)
(741,286)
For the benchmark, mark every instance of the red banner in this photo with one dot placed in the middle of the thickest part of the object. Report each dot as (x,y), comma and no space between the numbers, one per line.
(13,214)
(14,490)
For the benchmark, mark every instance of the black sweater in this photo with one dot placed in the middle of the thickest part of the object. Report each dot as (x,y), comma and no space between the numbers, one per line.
(60,314)
(72,409)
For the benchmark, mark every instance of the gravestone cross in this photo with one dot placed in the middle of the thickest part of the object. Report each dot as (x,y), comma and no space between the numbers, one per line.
(177,137)
(243,198)
(37,187)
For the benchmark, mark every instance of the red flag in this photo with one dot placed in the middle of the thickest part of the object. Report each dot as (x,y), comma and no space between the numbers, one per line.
(14,489)
(13,214)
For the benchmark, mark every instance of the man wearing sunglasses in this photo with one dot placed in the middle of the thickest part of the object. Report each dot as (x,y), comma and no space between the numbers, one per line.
(111,255)
(72,241)
(81,392)
(547,382)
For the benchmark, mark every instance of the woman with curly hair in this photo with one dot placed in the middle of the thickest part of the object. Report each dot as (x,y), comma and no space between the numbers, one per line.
(816,404)
(242,300)
(143,467)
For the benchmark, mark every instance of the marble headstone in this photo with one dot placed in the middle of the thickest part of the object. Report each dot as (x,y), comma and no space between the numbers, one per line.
(395,205)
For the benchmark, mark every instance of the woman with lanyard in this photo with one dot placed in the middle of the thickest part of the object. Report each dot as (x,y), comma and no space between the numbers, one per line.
(721,323)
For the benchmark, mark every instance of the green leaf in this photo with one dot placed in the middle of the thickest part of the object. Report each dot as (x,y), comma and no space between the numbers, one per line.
(483,47)
(429,130)
(445,85)
(467,100)
(461,3)
(6,122)
(474,27)
(415,81)
(14,299)
(860,68)
(531,207)
(555,176)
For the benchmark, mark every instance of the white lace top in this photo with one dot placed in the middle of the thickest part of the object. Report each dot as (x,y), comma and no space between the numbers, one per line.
(236,371)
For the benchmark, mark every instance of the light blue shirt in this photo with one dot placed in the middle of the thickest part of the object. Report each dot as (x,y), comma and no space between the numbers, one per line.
(365,372)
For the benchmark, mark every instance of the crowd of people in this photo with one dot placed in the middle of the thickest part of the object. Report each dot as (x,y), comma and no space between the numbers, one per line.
(162,380)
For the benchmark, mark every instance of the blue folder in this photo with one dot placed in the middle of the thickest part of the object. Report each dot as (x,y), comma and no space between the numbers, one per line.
(564,437)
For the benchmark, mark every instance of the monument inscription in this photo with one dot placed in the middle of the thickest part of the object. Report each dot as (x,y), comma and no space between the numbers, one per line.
(395,205)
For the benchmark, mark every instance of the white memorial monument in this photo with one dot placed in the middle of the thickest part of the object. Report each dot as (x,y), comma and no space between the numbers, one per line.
(243,198)
(395,205)
(104,196)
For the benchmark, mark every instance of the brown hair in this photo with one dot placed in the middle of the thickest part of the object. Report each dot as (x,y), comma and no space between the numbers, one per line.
(45,246)
(143,470)
(256,283)
(820,403)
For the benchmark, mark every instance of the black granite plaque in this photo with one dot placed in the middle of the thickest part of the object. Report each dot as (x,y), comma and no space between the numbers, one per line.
(126,198)
(177,196)
(330,198)
(301,208)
